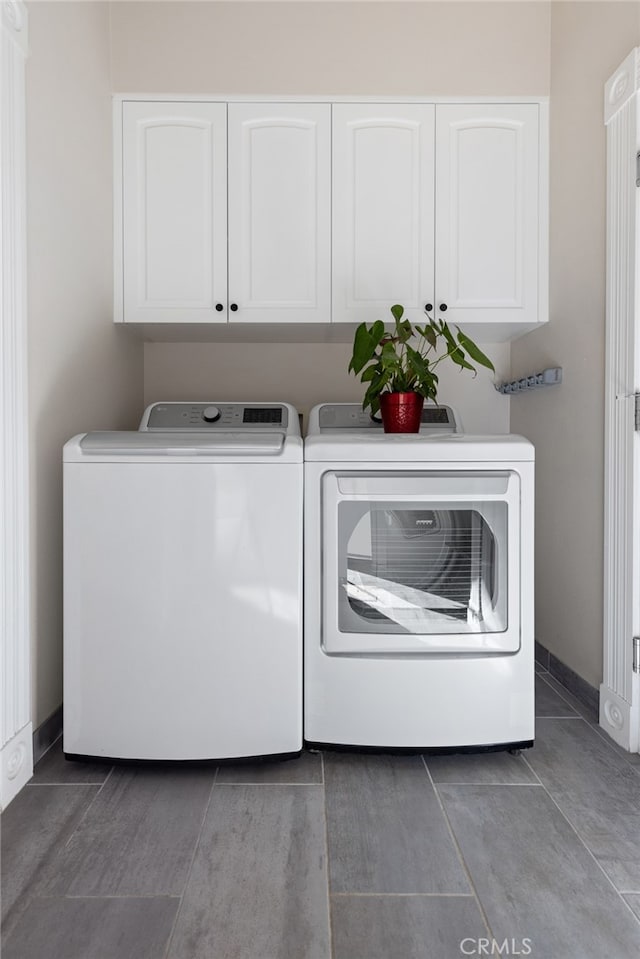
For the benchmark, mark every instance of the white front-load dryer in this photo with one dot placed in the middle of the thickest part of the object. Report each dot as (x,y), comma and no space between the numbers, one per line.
(183,585)
(418,584)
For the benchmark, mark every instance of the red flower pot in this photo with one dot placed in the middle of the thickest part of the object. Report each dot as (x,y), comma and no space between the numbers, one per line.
(401,412)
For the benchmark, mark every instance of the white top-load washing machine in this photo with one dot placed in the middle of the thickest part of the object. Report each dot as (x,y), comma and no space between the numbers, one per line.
(183,585)
(418,584)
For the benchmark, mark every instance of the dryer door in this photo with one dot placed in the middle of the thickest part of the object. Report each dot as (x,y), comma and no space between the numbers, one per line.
(421,562)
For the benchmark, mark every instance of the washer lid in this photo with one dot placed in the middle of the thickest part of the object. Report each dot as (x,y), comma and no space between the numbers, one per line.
(159,447)
(197,443)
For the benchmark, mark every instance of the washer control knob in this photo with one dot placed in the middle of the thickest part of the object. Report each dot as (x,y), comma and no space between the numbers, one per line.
(210,414)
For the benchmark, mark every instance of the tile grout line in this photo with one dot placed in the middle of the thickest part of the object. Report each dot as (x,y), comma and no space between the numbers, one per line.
(30,897)
(602,735)
(51,745)
(456,845)
(68,783)
(611,743)
(560,694)
(193,856)
(599,731)
(242,782)
(468,782)
(561,717)
(583,840)
(161,895)
(326,847)
(405,895)
(86,812)
(592,725)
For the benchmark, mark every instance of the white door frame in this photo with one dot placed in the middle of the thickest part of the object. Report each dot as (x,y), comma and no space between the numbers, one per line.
(620,689)
(16,750)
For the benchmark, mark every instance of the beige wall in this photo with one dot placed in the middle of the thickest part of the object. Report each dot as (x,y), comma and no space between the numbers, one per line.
(588,41)
(83,372)
(408,49)
(332,48)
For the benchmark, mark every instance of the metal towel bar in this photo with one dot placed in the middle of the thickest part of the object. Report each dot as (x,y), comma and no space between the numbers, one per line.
(548,377)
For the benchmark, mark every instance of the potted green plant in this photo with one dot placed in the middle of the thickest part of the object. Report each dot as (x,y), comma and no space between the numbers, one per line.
(399,366)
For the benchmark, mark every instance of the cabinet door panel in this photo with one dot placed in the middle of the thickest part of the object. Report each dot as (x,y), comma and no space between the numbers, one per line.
(174,212)
(487,223)
(383,225)
(279,212)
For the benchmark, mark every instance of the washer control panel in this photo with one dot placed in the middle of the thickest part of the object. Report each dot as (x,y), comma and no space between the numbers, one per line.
(351,416)
(220,416)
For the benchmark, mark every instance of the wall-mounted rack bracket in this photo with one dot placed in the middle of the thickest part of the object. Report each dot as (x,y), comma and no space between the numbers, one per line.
(548,377)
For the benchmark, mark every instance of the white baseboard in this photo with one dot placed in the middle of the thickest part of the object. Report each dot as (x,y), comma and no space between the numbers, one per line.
(16,757)
(619,719)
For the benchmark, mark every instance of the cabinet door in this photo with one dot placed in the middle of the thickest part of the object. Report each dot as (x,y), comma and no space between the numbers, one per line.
(174,212)
(488,226)
(383,221)
(279,212)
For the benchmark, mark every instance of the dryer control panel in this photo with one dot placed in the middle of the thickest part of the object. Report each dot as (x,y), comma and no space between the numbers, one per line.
(351,416)
(216,416)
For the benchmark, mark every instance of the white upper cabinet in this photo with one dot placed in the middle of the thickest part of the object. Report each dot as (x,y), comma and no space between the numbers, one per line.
(383,209)
(172,263)
(279,212)
(489,221)
(243,214)
(178,262)
(442,207)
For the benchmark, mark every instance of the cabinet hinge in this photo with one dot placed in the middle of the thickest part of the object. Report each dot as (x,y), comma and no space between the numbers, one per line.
(636,397)
(637,169)
(636,654)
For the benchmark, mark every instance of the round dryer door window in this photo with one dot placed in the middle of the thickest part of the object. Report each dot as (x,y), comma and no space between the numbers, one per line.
(411,572)
(420,571)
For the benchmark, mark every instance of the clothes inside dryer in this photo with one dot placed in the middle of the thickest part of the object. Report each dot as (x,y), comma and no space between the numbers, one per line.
(419,570)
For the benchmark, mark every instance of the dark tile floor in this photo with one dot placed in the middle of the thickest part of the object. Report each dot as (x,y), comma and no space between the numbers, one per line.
(336,855)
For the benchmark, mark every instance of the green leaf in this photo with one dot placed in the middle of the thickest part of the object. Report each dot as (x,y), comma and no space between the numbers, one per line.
(369,373)
(405,331)
(448,335)
(459,358)
(397,312)
(425,380)
(430,336)
(377,331)
(403,381)
(455,352)
(418,362)
(474,351)
(364,346)
(389,358)
(377,385)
